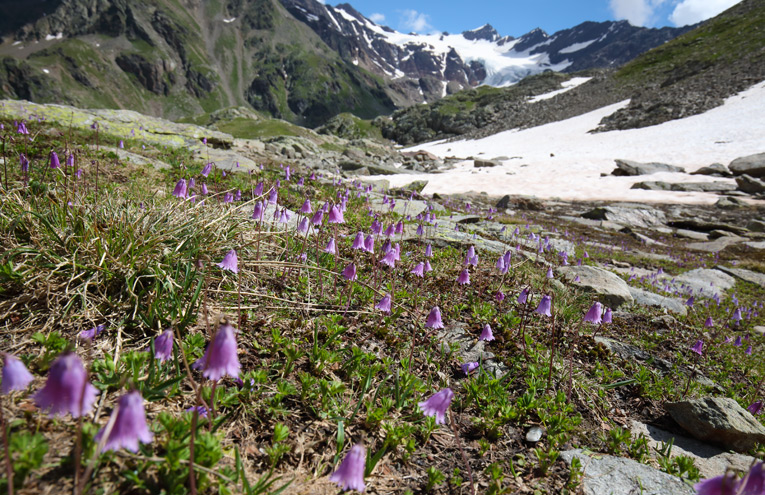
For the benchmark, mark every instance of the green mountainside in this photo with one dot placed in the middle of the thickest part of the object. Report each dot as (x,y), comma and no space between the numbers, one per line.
(181,59)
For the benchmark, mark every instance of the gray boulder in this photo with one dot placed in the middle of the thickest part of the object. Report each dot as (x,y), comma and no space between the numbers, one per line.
(613,290)
(752,165)
(470,349)
(756,226)
(730,203)
(630,168)
(716,186)
(485,163)
(716,170)
(719,421)
(609,475)
(631,216)
(750,185)
(711,461)
(645,298)
(745,275)
(705,280)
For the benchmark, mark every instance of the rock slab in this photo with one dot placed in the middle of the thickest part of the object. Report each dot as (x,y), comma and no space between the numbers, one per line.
(631,168)
(720,421)
(632,217)
(609,475)
(613,290)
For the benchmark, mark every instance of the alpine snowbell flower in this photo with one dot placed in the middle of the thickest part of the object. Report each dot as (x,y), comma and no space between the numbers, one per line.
(54,162)
(486,334)
(549,273)
(389,259)
(429,251)
(753,483)
(350,474)
(180,190)
(335,215)
(709,323)
(220,358)
(544,306)
(207,169)
(369,244)
(754,408)
(66,389)
(698,347)
(349,273)
(330,246)
(467,368)
(464,277)
(230,262)
(358,241)
(306,208)
(258,189)
(93,332)
(385,304)
(434,319)
(437,405)
(594,314)
(419,270)
(607,316)
(317,218)
(257,212)
(523,296)
(163,346)
(427,267)
(128,426)
(15,374)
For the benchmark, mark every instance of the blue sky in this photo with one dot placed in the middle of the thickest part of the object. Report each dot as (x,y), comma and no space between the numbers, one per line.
(514,17)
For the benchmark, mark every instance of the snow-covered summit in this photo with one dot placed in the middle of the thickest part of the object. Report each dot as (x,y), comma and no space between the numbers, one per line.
(428,66)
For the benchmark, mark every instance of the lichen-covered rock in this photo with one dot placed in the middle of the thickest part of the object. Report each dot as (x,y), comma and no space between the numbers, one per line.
(609,475)
(610,287)
(719,421)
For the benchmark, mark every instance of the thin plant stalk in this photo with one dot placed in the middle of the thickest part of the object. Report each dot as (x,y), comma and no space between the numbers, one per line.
(7,449)
(462,452)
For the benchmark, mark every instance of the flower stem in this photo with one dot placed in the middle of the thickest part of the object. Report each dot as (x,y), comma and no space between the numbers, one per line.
(462,452)
(7,449)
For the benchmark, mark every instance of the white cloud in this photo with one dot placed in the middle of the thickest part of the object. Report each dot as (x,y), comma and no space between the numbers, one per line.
(693,11)
(411,20)
(637,12)
(377,18)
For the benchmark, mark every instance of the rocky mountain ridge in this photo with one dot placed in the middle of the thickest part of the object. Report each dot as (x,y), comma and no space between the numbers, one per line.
(298,60)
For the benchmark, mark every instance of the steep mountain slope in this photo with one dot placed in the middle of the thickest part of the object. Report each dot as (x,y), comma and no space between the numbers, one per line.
(686,76)
(299,60)
(177,58)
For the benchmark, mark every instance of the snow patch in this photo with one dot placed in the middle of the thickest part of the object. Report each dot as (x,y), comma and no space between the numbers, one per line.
(562,159)
(229,21)
(50,37)
(567,86)
(46,71)
(577,46)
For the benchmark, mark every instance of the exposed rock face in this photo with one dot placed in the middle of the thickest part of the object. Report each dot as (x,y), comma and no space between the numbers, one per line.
(148,74)
(609,475)
(485,163)
(632,217)
(705,281)
(717,186)
(750,184)
(720,421)
(752,165)
(629,167)
(745,275)
(716,170)
(611,288)
(645,298)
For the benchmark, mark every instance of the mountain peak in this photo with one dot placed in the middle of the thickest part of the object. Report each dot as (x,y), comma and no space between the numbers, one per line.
(485,32)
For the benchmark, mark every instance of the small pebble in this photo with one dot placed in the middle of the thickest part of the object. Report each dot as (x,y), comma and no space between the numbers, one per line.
(534,434)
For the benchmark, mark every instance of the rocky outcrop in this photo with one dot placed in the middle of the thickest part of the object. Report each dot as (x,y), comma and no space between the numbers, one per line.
(716,186)
(750,184)
(637,216)
(606,474)
(752,165)
(610,288)
(149,74)
(719,421)
(631,168)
